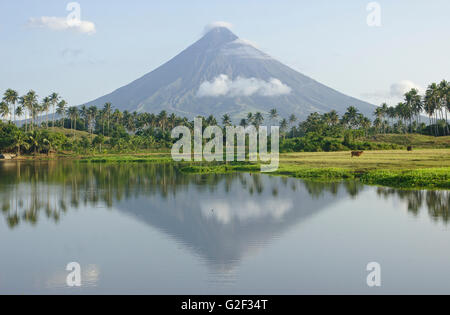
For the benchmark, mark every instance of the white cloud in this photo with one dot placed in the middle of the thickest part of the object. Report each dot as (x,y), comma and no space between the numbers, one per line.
(222,85)
(395,93)
(226,212)
(217,24)
(62,24)
(400,88)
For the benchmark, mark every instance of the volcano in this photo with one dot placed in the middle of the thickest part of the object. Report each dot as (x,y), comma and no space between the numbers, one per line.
(223,74)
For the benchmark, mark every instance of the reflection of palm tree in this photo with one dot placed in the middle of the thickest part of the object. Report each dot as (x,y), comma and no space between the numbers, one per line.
(437,202)
(84,183)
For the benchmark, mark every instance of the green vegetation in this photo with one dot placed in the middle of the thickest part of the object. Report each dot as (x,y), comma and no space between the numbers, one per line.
(54,188)
(415,140)
(90,130)
(435,178)
(110,136)
(156,157)
(426,169)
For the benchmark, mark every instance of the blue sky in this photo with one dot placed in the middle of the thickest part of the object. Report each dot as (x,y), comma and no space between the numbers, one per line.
(327,40)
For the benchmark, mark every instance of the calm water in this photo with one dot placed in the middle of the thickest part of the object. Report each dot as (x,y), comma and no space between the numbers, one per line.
(150,229)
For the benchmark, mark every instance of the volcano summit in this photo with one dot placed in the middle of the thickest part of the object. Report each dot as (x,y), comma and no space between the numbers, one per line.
(223,74)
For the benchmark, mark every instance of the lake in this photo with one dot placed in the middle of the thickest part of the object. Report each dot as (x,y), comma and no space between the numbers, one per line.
(150,229)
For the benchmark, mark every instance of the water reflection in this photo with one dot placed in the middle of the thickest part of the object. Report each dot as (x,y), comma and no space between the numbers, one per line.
(221,218)
(31,190)
(437,202)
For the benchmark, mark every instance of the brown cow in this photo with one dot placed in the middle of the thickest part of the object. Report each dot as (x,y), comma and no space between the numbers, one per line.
(357,153)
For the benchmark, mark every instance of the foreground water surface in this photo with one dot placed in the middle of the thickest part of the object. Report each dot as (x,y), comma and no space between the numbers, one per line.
(150,229)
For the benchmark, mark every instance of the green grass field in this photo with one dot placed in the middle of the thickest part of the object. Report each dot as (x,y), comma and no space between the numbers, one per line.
(415,140)
(370,160)
(420,169)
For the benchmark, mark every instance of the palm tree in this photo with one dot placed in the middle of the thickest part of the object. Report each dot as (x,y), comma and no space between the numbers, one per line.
(84,115)
(273,114)
(258,120)
(378,123)
(226,120)
(54,99)
(292,120)
(92,113)
(34,140)
(403,113)
(249,118)
(18,111)
(20,141)
(211,121)
(4,111)
(172,120)
(447,98)
(365,124)
(350,117)
(118,116)
(46,102)
(243,123)
(283,126)
(444,96)
(11,97)
(378,113)
(385,112)
(333,117)
(30,103)
(391,113)
(107,110)
(61,110)
(162,120)
(413,103)
(73,114)
(431,104)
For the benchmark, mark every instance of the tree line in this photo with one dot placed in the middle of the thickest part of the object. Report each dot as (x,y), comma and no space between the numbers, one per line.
(112,128)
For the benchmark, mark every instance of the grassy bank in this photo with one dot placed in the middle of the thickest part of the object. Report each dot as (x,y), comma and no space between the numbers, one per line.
(433,178)
(421,169)
(128,158)
(370,160)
